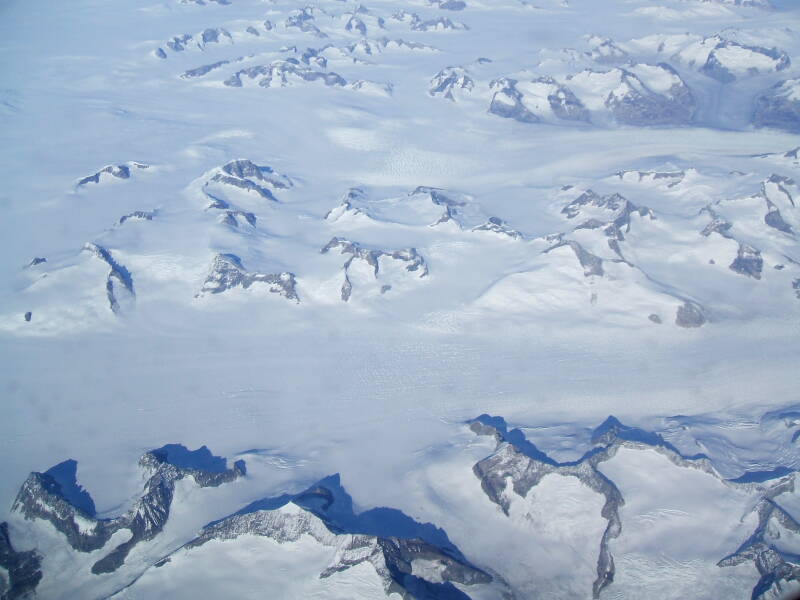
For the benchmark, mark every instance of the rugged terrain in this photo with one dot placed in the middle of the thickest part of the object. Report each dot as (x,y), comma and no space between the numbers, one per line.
(321,239)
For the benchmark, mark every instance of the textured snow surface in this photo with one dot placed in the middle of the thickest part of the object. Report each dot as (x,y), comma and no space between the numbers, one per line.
(322,237)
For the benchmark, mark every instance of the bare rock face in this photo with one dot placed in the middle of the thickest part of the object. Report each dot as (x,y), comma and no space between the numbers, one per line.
(451,81)
(122,171)
(723,61)
(500,227)
(717,225)
(436,24)
(138,215)
(203,69)
(244,174)
(517,466)
(56,497)
(779,106)
(412,260)
(227,272)
(22,569)
(119,283)
(304,21)
(325,514)
(589,198)
(507,101)
(689,315)
(634,103)
(37,260)
(563,102)
(775,566)
(282,73)
(670,179)
(639,94)
(606,51)
(748,262)
(612,214)
(449,4)
(592,264)
(779,193)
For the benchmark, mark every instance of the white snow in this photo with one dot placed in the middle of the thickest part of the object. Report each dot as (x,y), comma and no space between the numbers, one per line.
(377,388)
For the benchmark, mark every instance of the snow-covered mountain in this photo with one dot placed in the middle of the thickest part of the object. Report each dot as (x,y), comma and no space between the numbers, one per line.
(320,238)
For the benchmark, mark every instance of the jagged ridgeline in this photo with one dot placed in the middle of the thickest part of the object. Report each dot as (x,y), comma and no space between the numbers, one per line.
(607,257)
(585,526)
(340,229)
(377,553)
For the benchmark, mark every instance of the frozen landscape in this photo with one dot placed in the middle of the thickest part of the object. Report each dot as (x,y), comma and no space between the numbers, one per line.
(431,299)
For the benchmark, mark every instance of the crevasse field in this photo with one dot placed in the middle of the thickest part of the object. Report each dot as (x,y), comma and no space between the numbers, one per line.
(431,299)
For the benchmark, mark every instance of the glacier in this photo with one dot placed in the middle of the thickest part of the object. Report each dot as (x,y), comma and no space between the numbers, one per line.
(400,298)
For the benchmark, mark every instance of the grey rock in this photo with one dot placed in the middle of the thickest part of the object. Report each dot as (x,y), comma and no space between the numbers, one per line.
(716,69)
(779,107)
(244,169)
(519,462)
(179,43)
(774,219)
(23,569)
(268,25)
(253,31)
(278,73)
(611,202)
(203,70)
(151,511)
(672,178)
(159,53)
(592,265)
(796,287)
(748,261)
(564,103)
(303,20)
(453,5)
(55,496)
(246,175)
(37,260)
(28,316)
(231,217)
(311,56)
(118,171)
(119,283)
(138,215)
(450,80)
(608,52)
(655,319)
(42,496)
(324,513)
(526,466)
(690,315)
(439,23)
(496,225)
(643,107)
(415,263)
(354,24)
(717,225)
(507,102)
(350,198)
(227,272)
(774,565)
(214,36)
(775,190)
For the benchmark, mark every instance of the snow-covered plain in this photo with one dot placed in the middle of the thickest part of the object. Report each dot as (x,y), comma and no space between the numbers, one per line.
(322,238)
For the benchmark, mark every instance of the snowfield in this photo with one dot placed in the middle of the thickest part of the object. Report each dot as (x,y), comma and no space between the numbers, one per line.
(400,298)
